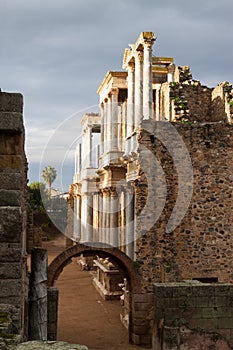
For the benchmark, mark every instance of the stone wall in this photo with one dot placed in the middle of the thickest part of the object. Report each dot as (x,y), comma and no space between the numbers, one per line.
(13,214)
(187,100)
(222,103)
(193,316)
(192,102)
(200,246)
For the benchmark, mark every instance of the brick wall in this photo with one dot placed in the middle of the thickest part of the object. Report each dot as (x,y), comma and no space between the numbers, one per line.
(13,181)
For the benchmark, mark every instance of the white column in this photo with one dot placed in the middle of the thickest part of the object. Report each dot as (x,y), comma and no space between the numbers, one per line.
(78,158)
(114,218)
(77,219)
(89,228)
(88,150)
(102,128)
(130,102)
(105,147)
(100,225)
(97,156)
(170,74)
(109,123)
(147,81)
(114,121)
(138,100)
(108,209)
(83,218)
(105,223)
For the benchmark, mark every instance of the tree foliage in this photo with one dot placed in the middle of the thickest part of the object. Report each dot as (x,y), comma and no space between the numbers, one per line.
(49,175)
(37,195)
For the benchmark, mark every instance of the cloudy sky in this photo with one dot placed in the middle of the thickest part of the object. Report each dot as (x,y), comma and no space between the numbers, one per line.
(56,54)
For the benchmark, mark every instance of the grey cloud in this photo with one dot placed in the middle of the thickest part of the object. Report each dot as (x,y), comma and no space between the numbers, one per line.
(57,52)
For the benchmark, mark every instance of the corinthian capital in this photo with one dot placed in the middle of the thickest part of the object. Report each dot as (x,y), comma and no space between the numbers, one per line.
(114,91)
(139,56)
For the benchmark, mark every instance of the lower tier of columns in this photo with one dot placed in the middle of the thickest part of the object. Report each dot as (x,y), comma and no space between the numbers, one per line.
(106,217)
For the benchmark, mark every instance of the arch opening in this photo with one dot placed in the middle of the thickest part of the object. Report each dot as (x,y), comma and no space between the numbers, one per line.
(119,259)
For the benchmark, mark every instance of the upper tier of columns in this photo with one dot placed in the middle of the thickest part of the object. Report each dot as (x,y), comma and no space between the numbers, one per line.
(138,63)
(109,122)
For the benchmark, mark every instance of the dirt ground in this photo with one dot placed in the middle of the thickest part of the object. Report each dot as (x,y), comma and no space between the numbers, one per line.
(84,317)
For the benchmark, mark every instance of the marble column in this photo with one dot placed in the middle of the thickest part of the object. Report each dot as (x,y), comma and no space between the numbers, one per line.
(89,227)
(105,145)
(109,123)
(77,218)
(100,226)
(130,102)
(105,217)
(114,208)
(78,158)
(171,72)
(88,151)
(97,156)
(83,218)
(102,128)
(138,99)
(147,81)
(108,210)
(114,117)
(129,213)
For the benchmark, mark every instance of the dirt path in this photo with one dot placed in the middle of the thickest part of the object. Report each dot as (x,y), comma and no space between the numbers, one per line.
(84,317)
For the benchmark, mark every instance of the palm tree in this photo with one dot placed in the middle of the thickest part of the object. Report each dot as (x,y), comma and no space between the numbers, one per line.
(49,174)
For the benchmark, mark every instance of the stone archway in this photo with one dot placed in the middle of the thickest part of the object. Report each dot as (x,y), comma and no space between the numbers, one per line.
(137,296)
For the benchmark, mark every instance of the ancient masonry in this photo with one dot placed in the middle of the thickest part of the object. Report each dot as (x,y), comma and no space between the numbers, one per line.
(153,178)
(28,309)
(151,201)
(13,219)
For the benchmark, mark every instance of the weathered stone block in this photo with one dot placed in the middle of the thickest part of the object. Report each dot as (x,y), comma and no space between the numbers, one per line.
(10,287)
(10,270)
(207,324)
(166,292)
(10,181)
(52,305)
(11,143)
(141,306)
(10,198)
(9,319)
(140,329)
(10,224)
(225,311)
(209,312)
(140,314)
(12,300)
(225,323)
(11,163)
(143,298)
(11,102)
(50,345)
(10,252)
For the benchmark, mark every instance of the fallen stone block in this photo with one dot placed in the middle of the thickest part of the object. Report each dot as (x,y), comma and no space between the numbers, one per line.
(50,345)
